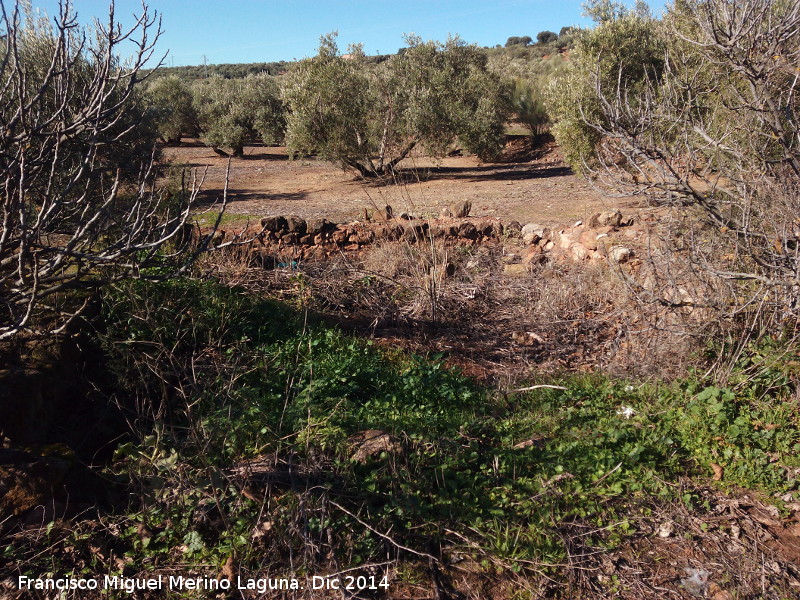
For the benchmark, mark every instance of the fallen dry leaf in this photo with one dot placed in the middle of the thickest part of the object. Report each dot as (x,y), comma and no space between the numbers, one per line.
(717,593)
(228,570)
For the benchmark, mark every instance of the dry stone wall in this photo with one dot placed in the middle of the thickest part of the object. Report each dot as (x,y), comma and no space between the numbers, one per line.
(606,236)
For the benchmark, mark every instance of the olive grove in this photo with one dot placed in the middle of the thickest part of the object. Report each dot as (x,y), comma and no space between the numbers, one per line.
(370,117)
(233,112)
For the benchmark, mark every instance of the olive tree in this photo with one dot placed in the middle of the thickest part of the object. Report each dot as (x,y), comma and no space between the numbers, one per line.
(515,40)
(233,112)
(369,117)
(528,106)
(625,49)
(79,205)
(724,150)
(170,99)
(526,83)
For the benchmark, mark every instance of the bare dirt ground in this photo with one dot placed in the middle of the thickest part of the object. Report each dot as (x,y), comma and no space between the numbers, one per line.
(528,185)
(481,315)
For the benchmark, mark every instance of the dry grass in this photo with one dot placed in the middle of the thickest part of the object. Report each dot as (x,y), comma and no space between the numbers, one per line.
(434,297)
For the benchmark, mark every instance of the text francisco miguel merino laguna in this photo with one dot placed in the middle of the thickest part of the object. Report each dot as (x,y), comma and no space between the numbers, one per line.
(182,582)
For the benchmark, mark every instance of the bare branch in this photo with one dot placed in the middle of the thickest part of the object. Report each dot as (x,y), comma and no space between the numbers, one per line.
(77,210)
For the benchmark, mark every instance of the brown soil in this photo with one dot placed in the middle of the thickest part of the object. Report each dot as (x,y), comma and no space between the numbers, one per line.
(507,329)
(529,184)
(483,317)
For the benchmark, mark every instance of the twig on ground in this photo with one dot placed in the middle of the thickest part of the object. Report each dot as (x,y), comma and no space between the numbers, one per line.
(383,535)
(535,387)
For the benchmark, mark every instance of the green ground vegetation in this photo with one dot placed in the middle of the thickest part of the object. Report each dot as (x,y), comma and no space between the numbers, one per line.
(222,378)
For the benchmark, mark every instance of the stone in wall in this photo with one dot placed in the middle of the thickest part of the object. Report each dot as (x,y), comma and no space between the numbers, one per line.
(468,231)
(273,224)
(461,210)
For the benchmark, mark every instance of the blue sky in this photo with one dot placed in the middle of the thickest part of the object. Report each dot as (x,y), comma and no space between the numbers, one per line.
(230,31)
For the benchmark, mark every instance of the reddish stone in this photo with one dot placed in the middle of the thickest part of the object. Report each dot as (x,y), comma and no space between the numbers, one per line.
(588,240)
(485,228)
(468,231)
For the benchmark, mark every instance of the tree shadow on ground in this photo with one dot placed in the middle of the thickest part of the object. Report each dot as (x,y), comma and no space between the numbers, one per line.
(270,153)
(494,172)
(210,197)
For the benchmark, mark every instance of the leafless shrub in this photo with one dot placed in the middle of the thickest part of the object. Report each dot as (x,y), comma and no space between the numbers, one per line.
(79,204)
(724,152)
(590,319)
(389,260)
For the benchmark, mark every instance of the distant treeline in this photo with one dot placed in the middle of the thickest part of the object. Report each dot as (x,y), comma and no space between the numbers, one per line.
(226,70)
(515,47)
(240,70)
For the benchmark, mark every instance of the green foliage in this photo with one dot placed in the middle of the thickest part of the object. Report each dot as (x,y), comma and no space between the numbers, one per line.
(754,442)
(329,102)
(512,475)
(760,97)
(626,50)
(525,40)
(242,379)
(232,112)
(528,104)
(643,110)
(369,118)
(185,315)
(527,75)
(605,11)
(546,37)
(171,99)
